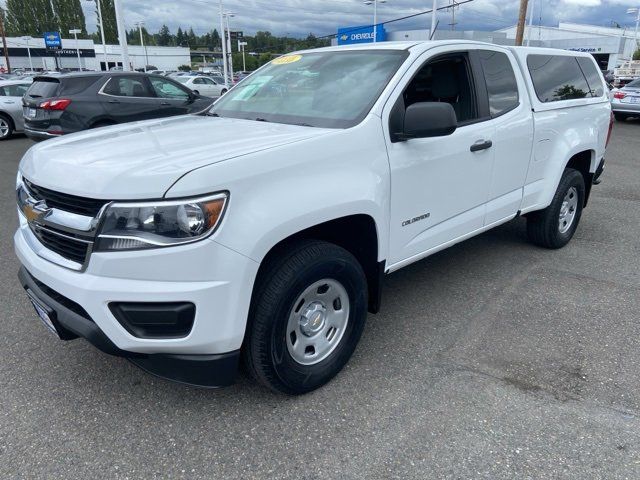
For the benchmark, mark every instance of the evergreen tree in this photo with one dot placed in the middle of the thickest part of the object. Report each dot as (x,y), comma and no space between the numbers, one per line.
(191,38)
(215,39)
(109,21)
(69,15)
(180,37)
(33,17)
(164,36)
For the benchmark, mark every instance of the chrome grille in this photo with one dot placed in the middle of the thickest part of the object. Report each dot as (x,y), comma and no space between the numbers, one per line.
(69,203)
(71,248)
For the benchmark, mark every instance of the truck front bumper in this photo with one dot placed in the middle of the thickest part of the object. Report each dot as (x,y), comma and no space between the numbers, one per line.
(217,280)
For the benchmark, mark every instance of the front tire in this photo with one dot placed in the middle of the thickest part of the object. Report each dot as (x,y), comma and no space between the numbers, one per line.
(554,226)
(307,315)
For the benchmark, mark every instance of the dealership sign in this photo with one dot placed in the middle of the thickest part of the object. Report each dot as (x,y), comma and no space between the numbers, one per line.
(52,40)
(351,35)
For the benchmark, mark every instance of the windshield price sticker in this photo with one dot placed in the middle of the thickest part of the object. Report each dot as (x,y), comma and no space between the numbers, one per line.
(286,60)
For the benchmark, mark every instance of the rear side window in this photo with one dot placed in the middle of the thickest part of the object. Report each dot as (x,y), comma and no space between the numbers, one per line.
(591,73)
(557,77)
(126,87)
(75,85)
(502,86)
(43,88)
(13,90)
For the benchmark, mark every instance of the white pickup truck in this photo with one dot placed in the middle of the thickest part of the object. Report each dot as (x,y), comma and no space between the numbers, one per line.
(262,228)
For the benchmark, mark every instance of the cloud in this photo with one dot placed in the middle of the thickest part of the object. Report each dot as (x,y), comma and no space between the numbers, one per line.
(323,17)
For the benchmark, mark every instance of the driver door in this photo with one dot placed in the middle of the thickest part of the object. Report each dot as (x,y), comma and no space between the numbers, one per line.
(439,185)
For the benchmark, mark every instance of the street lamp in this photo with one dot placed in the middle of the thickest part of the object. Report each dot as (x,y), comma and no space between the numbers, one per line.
(75,33)
(146,57)
(104,43)
(631,11)
(375,16)
(26,39)
(241,46)
(228,15)
(223,42)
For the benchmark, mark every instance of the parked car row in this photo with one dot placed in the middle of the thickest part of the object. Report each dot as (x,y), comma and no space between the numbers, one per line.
(11,93)
(625,101)
(55,106)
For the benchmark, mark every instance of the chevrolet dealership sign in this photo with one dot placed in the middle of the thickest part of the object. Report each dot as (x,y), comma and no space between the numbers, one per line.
(351,35)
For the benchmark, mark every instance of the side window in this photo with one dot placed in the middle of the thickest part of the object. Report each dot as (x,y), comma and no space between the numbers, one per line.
(208,81)
(126,87)
(167,89)
(445,79)
(199,81)
(557,77)
(593,76)
(502,87)
(2,92)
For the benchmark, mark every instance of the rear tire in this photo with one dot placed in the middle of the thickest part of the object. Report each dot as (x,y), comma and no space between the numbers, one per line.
(224,90)
(620,117)
(554,226)
(307,315)
(196,92)
(6,127)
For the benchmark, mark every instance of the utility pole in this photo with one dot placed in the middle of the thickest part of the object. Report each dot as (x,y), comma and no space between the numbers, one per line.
(4,41)
(521,19)
(75,33)
(453,15)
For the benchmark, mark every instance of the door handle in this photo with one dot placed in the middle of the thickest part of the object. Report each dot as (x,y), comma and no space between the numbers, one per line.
(165,103)
(481,145)
(9,102)
(114,101)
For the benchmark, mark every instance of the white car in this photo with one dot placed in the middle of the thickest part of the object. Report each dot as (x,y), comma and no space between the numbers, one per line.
(11,92)
(203,85)
(263,228)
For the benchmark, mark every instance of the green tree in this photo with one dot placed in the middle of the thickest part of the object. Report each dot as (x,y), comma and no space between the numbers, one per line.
(180,37)
(109,20)
(33,17)
(191,38)
(215,39)
(69,15)
(636,54)
(164,37)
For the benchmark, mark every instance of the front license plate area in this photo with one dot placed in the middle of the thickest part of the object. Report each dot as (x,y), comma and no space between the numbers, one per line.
(45,314)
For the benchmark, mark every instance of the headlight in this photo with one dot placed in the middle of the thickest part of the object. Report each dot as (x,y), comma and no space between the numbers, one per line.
(132,226)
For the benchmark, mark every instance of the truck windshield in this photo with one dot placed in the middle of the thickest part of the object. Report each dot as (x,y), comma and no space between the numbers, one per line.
(319,89)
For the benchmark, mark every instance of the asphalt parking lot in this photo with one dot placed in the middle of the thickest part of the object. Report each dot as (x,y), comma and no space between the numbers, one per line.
(493,359)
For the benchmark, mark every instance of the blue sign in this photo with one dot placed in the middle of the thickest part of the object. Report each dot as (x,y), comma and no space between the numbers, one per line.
(52,40)
(351,35)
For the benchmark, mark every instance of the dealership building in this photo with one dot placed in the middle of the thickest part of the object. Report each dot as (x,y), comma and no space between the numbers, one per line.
(609,46)
(92,56)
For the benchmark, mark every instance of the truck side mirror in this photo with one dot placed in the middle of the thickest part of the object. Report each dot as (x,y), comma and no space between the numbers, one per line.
(428,119)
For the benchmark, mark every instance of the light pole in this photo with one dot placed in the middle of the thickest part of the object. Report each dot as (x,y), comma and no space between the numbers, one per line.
(631,11)
(227,15)
(241,46)
(104,43)
(26,39)
(375,16)
(146,57)
(122,35)
(75,32)
(223,42)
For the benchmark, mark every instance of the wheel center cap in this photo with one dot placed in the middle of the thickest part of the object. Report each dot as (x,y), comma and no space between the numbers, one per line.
(312,319)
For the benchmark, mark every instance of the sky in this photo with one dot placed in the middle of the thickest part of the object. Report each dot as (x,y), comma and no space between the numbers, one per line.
(322,17)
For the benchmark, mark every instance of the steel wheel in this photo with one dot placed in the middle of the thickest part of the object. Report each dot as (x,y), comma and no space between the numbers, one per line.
(5,128)
(568,210)
(317,321)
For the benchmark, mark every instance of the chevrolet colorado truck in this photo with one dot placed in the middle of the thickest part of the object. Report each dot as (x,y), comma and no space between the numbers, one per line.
(261,229)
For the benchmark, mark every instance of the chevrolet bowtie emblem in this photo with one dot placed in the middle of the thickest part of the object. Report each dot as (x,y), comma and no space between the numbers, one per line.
(35,210)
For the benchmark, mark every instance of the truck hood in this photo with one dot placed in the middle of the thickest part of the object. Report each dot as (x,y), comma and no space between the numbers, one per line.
(142,160)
